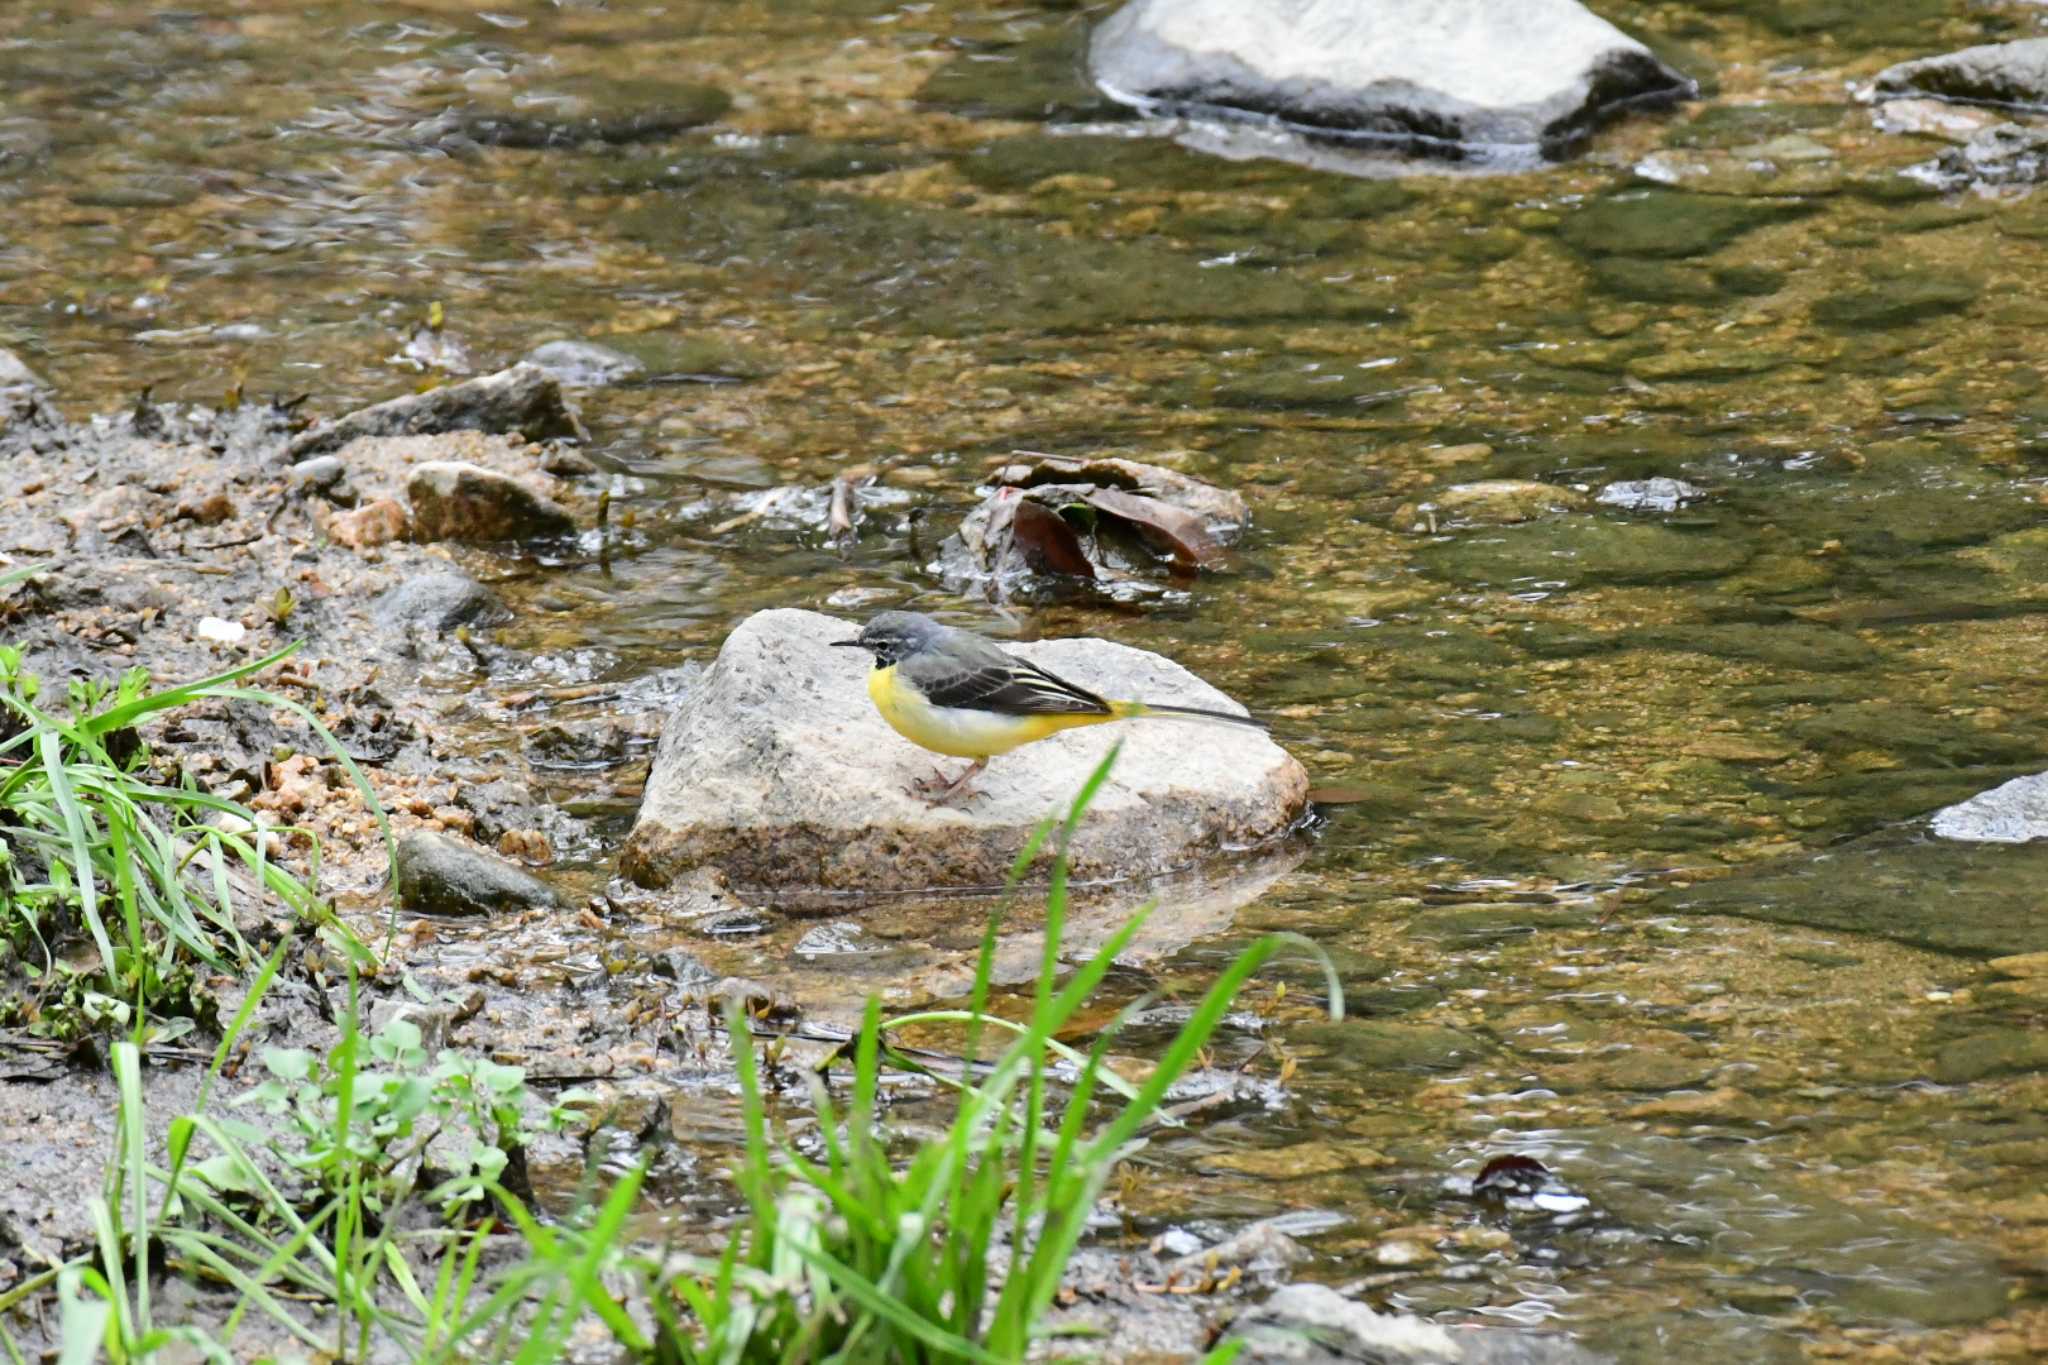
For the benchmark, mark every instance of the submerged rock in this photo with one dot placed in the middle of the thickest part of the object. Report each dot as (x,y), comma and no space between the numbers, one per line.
(686,106)
(777,770)
(439,875)
(1458,78)
(1316,1324)
(584,364)
(1993,73)
(2003,154)
(2014,813)
(1649,495)
(452,500)
(1488,502)
(435,602)
(17,377)
(525,399)
(1899,299)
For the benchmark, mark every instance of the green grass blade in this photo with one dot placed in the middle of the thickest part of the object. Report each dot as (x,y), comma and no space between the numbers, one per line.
(48,749)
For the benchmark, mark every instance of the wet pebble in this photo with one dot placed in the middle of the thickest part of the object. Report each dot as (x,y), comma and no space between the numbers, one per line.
(316,475)
(436,602)
(439,875)
(373,524)
(454,500)
(497,807)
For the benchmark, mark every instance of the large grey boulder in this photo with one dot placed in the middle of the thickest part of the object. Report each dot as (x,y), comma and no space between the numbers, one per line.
(2013,813)
(776,769)
(1315,1325)
(1457,78)
(1995,73)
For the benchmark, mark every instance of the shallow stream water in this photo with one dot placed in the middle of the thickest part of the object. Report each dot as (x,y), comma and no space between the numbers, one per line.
(1635,885)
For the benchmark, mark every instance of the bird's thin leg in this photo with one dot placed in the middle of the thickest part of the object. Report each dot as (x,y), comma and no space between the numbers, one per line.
(939,790)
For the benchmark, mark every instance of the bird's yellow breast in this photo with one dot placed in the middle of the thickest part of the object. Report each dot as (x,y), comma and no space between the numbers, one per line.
(959,731)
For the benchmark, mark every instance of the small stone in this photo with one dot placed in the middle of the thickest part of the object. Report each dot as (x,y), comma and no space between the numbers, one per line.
(1260,1248)
(208,511)
(1402,1252)
(2022,966)
(375,523)
(1479,1237)
(315,475)
(453,500)
(527,845)
(497,807)
(439,875)
(216,630)
(435,602)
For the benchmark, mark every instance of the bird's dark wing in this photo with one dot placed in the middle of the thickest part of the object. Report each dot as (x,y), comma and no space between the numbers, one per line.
(995,681)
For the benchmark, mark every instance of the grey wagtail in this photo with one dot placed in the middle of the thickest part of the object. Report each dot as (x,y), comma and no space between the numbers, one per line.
(955,693)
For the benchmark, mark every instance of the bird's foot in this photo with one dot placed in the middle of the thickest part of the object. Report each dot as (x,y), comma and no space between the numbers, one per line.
(942,790)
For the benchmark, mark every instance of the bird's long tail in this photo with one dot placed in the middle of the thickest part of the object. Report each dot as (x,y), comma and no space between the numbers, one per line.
(1132,710)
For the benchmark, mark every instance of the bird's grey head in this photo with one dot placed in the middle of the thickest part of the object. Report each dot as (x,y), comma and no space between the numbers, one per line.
(893,636)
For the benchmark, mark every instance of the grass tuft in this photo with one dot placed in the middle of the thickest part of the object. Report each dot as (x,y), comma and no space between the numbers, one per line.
(157,875)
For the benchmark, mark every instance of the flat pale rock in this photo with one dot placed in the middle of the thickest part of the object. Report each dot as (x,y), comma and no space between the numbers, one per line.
(1995,73)
(1452,78)
(776,769)
(2015,812)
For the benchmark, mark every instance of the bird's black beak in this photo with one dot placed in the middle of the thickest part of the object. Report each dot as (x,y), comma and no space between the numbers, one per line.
(843,644)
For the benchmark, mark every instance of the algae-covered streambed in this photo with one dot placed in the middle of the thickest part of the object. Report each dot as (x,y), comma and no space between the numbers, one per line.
(1634,880)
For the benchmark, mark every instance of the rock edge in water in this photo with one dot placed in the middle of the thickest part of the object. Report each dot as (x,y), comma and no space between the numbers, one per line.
(777,770)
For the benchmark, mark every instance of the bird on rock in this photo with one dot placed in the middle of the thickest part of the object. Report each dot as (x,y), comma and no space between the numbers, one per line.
(955,693)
